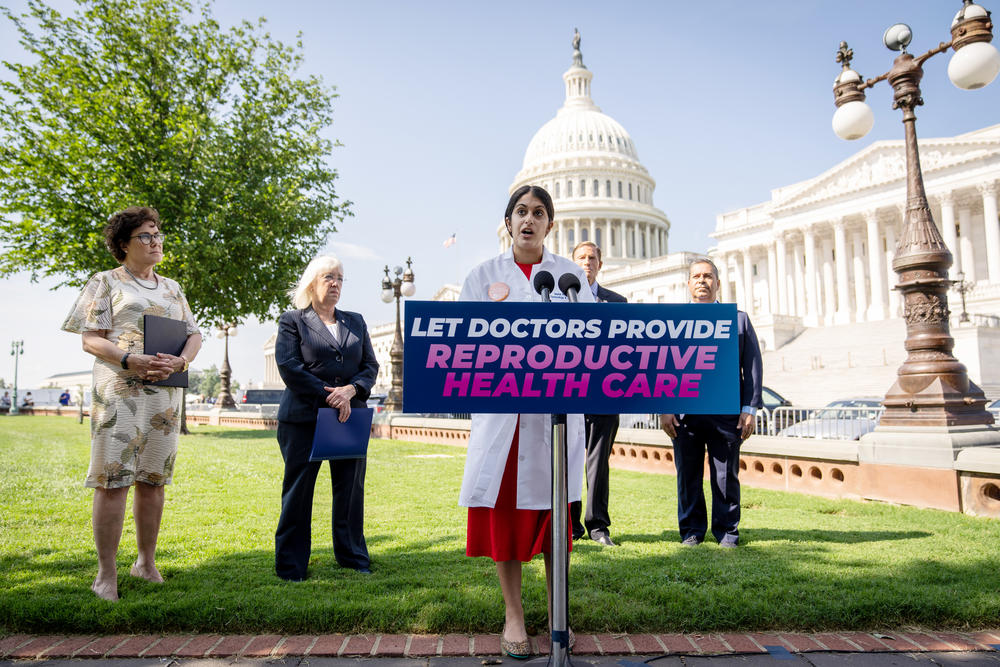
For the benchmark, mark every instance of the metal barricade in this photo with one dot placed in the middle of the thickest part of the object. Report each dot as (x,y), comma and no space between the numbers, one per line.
(834,423)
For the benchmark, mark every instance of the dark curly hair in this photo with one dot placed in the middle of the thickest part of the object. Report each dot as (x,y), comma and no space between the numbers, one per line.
(120,226)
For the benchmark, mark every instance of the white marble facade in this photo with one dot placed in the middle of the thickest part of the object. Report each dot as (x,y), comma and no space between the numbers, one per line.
(820,251)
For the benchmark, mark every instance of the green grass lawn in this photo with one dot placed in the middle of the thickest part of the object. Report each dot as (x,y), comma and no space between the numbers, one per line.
(805,564)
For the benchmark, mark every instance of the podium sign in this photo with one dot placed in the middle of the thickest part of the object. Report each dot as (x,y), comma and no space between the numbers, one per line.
(574,358)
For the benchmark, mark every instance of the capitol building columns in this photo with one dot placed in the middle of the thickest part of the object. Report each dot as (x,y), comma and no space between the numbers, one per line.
(989,193)
(839,270)
(781,275)
(968,254)
(811,315)
(621,240)
(860,276)
(843,315)
(948,231)
(772,285)
(876,268)
(827,272)
(725,293)
(829,304)
(749,298)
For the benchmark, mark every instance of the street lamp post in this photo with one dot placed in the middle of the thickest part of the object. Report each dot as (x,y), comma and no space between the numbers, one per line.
(963,287)
(16,350)
(225,399)
(400,286)
(932,388)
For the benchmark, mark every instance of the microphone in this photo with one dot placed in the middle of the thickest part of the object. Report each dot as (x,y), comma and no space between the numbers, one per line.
(544,282)
(569,285)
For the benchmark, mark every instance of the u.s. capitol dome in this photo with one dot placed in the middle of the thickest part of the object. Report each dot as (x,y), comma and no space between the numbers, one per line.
(589,164)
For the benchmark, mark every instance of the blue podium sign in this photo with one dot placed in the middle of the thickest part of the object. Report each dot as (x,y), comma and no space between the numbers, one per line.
(574,358)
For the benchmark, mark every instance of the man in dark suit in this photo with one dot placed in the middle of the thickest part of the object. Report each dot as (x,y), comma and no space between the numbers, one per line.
(601,429)
(325,358)
(721,435)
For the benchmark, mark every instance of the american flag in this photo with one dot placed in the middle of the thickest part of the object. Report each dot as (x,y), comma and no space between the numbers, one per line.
(450,241)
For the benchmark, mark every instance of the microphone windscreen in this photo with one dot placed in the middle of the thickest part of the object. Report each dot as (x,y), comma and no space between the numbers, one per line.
(567,282)
(544,281)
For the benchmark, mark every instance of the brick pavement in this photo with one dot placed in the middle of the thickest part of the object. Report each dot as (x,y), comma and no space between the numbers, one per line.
(40,647)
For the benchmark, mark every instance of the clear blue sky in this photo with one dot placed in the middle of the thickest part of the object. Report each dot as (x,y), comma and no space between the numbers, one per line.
(438,101)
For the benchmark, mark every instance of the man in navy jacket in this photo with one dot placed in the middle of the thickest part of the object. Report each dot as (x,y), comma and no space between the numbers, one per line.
(721,435)
(601,429)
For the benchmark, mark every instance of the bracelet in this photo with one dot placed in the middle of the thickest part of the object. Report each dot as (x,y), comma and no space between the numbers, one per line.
(186,363)
(125,360)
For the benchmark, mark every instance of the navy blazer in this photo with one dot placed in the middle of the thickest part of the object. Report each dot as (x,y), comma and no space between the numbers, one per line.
(309,358)
(751,366)
(608,296)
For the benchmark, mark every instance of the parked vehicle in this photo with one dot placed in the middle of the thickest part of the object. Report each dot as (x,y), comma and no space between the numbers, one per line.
(377,401)
(994,408)
(773,399)
(262,396)
(845,419)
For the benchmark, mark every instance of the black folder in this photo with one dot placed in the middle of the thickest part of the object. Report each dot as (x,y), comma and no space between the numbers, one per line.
(163,334)
(334,440)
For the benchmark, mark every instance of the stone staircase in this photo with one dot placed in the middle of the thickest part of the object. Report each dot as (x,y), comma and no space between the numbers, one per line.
(826,363)
(823,364)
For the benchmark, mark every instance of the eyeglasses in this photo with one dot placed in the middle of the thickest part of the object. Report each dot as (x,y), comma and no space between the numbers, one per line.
(146,238)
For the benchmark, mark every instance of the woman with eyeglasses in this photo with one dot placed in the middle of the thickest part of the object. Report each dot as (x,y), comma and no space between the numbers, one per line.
(134,425)
(326,360)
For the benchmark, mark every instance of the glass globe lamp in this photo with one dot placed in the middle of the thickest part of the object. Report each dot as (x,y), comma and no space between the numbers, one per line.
(974,65)
(853,120)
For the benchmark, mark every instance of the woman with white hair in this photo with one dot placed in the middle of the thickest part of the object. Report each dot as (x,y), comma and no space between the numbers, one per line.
(326,359)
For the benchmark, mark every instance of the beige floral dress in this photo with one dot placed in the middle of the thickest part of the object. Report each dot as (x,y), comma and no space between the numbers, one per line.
(134,427)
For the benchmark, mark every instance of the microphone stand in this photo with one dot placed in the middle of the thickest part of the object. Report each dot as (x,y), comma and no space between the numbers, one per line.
(559,651)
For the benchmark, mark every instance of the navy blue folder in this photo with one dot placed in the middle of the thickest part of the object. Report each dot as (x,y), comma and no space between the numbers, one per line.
(334,440)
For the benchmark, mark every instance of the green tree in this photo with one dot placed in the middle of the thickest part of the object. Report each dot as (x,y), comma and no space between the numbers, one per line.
(151,102)
(205,381)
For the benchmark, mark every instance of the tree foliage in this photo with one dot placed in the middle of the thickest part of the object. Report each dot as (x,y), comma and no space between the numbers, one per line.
(152,102)
(208,383)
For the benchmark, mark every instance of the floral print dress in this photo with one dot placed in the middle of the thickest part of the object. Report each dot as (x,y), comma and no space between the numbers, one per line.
(134,427)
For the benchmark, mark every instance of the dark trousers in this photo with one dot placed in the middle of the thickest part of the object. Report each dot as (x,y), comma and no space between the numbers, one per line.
(293,538)
(601,433)
(720,435)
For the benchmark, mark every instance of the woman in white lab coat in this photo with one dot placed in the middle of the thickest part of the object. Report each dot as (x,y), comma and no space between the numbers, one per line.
(508,469)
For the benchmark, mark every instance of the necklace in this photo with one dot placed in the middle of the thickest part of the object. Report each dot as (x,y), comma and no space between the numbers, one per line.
(156,281)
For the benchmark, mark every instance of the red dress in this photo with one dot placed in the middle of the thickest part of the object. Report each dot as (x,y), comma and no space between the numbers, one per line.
(504,532)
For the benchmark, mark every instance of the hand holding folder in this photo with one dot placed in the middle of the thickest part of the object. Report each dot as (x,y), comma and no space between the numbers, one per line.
(335,440)
(162,334)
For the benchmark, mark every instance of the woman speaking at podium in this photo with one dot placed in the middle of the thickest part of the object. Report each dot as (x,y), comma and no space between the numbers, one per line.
(508,469)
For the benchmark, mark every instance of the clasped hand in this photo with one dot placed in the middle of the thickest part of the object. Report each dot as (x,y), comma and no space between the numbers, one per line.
(669,424)
(155,367)
(339,399)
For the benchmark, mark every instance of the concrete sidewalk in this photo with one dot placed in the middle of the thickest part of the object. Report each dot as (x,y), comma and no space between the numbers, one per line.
(834,648)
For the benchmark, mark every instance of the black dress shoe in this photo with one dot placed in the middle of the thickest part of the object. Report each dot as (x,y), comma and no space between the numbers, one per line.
(291,578)
(577,535)
(602,538)
(364,570)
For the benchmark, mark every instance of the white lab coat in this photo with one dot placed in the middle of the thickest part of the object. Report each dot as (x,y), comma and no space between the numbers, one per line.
(491,434)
